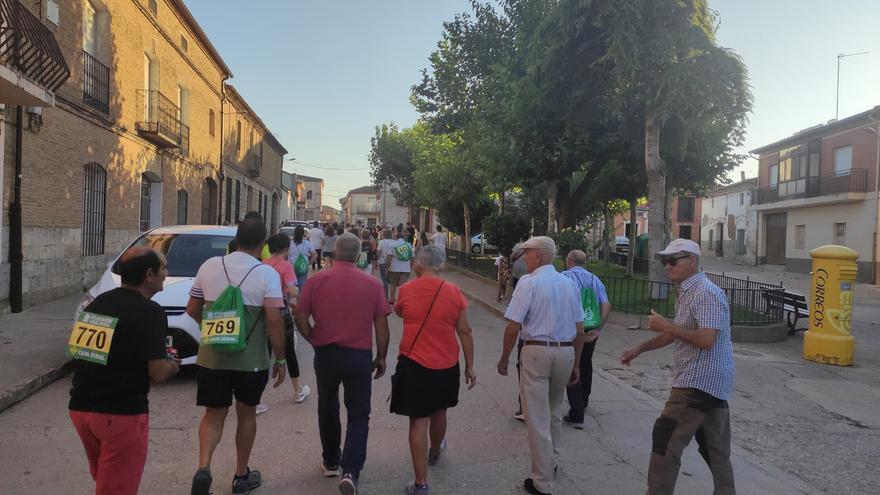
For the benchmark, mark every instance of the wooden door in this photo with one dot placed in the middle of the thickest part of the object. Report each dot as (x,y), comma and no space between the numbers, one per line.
(776,227)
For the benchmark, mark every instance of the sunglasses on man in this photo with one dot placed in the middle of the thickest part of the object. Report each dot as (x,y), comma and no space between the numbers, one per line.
(673,260)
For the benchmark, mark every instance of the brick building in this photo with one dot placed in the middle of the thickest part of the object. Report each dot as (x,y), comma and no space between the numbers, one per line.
(819,186)
(133,142)
(252,161)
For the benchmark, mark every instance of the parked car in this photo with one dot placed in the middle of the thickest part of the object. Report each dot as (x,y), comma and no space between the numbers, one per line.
(185,248)
(480,246)
(622,243)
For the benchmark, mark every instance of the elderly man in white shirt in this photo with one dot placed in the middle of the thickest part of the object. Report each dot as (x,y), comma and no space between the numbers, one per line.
(546,309)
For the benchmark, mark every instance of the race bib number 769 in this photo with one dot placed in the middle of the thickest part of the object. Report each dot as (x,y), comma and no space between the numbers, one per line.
(92,337)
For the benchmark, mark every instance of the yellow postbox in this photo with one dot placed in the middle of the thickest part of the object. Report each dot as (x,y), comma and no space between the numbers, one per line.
(829,338)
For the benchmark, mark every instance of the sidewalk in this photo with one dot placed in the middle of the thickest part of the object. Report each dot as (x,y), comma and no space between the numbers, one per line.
(32,348)
(622,413)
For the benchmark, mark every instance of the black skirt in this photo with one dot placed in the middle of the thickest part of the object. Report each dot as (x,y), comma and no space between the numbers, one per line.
(419,392)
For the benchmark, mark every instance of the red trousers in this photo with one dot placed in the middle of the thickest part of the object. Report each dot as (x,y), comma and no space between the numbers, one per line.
(116,446)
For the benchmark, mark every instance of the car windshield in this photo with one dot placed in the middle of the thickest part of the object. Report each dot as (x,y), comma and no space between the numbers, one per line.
(185,252)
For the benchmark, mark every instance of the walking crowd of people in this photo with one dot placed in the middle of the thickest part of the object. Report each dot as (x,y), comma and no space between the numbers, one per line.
(252,303)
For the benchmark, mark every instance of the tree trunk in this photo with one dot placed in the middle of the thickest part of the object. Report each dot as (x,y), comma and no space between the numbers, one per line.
(552,194)
(564,212)
(667,224)
(502,202)
(608,234)
(633,229)
(467,229)
(656,171)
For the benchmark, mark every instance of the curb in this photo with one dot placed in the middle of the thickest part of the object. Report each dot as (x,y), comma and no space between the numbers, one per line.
(23,390)
(488,307)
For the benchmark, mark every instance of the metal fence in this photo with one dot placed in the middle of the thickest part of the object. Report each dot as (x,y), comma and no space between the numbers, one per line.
(640,265)
(747,298)
(477,263)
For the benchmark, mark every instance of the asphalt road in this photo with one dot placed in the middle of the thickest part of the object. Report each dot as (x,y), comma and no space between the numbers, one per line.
(488,452)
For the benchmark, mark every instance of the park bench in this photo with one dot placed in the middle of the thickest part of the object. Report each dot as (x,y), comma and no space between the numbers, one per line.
(793,305)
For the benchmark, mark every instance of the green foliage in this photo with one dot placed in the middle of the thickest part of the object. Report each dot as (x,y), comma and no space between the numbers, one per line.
(391,162)
(505,229)
(569,239)
(452,215)
(553,99)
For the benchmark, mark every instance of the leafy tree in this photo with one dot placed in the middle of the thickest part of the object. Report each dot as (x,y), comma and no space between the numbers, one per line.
(663,58)
(505,229)
(391,162)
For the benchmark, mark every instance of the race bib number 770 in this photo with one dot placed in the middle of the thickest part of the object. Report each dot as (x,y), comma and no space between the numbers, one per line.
(92,337)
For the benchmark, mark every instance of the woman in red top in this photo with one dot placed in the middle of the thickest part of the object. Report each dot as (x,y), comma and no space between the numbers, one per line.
(279,248)
(426,381)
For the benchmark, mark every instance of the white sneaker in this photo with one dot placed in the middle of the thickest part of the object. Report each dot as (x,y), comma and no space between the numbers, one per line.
(304,392)
(261,408)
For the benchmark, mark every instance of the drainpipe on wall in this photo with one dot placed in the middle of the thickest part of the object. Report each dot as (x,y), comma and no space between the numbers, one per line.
(2,166)
(876,193)
(222,185)
(15,252)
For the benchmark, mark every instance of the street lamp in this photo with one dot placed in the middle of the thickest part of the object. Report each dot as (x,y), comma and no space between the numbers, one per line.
(837,101)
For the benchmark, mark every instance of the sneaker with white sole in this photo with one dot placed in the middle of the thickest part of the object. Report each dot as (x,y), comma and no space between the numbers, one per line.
(329,471)
(348,485)
(246,483)
(261,408)
(303,394)
(433,458)
(413,489)
(518,415)
(201,483)
(578,425)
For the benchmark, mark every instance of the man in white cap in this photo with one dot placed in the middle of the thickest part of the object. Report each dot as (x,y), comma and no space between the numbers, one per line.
(702,374)
(546,309)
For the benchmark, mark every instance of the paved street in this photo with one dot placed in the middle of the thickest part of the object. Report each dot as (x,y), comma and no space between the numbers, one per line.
(815,422)
(488,450)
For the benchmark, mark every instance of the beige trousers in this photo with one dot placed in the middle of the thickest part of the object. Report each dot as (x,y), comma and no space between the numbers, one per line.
(543,378)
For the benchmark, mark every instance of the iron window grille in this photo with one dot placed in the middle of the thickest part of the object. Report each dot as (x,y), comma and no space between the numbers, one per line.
(94,209)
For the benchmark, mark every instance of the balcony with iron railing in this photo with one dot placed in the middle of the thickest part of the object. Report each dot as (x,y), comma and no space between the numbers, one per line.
(32,67)
(843,182)
(161,121)
(96,83)
(368,209)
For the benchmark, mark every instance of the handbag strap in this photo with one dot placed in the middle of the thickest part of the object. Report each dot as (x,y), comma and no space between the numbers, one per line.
(426,317)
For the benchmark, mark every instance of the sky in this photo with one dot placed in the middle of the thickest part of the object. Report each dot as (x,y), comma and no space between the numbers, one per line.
(322,74)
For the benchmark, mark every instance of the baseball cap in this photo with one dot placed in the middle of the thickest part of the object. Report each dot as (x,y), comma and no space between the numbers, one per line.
(680,246)
(541,243)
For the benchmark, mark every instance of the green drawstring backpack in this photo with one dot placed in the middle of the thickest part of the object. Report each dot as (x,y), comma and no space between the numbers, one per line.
(404,252)
(592,315)
(301,265)
(363,259)
(222,324)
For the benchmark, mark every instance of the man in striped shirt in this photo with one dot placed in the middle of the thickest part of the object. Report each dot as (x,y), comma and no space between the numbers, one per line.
(588,285)
(703,374)
(545,310)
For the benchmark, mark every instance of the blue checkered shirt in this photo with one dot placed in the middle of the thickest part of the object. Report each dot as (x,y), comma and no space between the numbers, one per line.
(701,304)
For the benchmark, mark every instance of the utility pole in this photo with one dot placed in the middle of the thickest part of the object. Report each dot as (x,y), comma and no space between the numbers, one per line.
(837,99)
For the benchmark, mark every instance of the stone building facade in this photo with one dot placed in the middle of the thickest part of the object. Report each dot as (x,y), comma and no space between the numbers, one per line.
(133,142)
(252,162)
(729,224)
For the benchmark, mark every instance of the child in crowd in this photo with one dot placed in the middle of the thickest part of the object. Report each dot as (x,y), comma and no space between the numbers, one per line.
(502,262)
